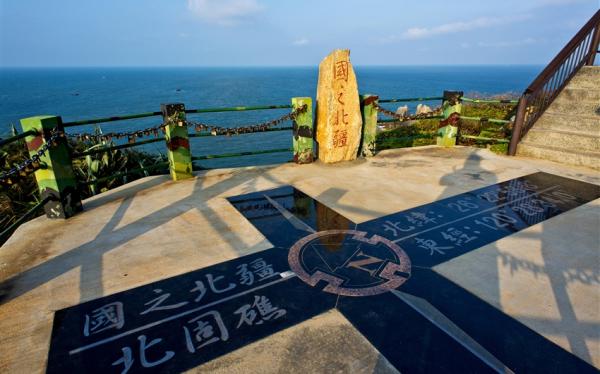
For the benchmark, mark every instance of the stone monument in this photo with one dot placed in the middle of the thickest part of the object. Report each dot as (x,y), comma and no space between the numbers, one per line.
(339,121)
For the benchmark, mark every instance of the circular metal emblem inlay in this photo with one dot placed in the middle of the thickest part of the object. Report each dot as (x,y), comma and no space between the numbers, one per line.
(349,263)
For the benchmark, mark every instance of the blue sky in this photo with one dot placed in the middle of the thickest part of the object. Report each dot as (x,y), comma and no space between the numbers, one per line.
(283,32)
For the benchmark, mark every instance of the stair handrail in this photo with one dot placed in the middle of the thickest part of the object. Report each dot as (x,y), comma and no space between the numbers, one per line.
(579,51)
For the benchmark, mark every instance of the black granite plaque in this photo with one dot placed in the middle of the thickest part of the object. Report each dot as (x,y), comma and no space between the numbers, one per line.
(437,232)
(178,323)
(378,274)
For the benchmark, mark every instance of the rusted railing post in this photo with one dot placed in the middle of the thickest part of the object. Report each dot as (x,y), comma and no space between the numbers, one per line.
(369,117)
(594,46)
(178,143)
(518,126)
(451,109)
(303,131)
(55,178)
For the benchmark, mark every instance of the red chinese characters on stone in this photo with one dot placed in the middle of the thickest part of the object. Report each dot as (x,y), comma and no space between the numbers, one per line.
(341,118)
(340,138)
(340,71)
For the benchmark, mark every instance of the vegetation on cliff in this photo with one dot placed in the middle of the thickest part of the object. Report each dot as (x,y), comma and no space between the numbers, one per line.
(18,198)
(422,132)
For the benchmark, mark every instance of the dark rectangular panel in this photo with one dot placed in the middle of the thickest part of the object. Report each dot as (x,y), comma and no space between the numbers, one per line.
(408,340)
(511,342)
(178,323)
(267,211)
(437,232)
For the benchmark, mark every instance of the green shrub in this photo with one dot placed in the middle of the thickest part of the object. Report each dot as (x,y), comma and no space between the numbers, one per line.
(422,132)
(16,199)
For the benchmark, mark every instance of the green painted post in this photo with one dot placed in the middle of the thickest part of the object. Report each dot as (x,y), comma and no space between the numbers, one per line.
(451,109)
(56,179)
(369,118)
(178,143)
(303,131)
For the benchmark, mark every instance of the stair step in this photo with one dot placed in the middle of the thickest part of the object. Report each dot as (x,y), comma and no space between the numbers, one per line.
(587,78)
(585,108)
(565,156)
(579,94)
(563,139)
(590,70)
(564,122)
(569,130)
(584,84)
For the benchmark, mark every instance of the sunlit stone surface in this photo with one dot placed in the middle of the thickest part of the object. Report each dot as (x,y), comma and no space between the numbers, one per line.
(339,122)
(535,286)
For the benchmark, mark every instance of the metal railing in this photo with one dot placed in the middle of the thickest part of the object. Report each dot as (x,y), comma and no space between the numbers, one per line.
(155,139)
(159,166)
(105,144)
(17,137)
(162,138)
(580,51)
(412,137)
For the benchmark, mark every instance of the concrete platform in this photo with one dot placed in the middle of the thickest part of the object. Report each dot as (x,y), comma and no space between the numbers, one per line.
(154,229)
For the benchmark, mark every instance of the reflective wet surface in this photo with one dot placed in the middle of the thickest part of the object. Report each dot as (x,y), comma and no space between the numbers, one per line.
(377,274)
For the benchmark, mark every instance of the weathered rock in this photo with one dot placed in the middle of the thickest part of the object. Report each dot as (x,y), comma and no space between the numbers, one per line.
(423,109)
(339,122)
(402,110)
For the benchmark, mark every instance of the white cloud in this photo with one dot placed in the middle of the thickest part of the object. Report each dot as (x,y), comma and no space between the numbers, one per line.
(454,27)
(300,42)
(224,12)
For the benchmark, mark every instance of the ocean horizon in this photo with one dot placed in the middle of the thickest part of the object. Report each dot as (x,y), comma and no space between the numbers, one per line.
(77,93)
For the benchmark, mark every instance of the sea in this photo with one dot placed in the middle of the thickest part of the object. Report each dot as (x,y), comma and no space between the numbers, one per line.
(86,93)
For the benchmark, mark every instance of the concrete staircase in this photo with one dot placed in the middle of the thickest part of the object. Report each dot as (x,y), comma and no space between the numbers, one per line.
(569,130)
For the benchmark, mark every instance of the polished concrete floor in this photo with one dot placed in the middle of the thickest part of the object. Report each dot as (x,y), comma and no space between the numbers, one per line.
(546,277)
